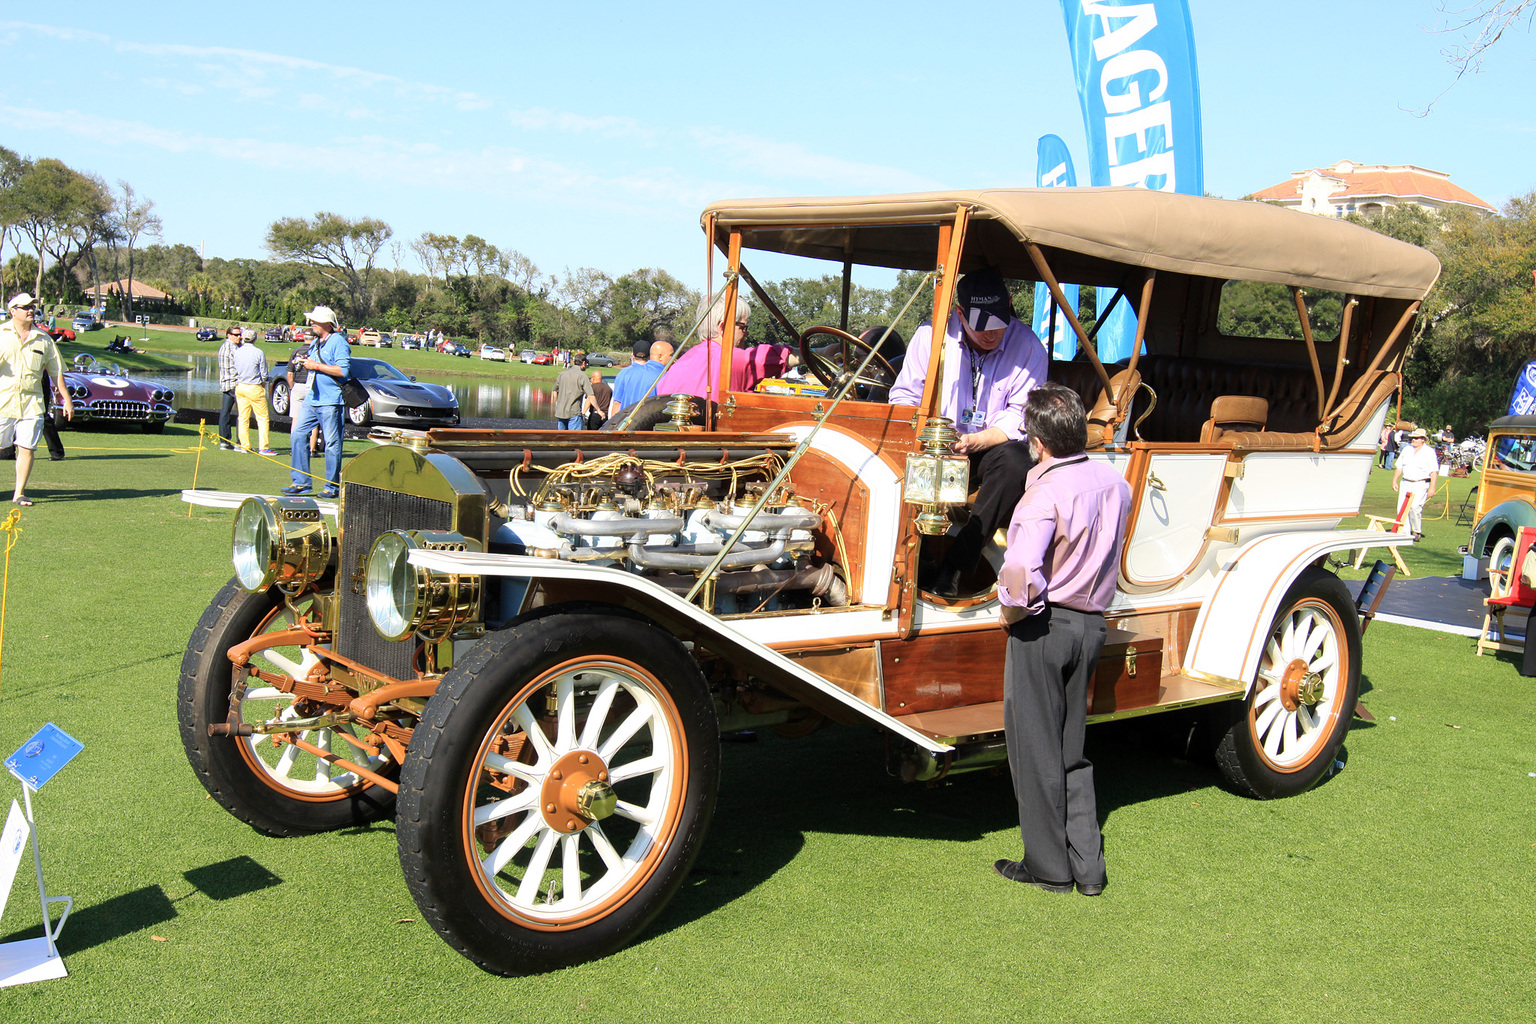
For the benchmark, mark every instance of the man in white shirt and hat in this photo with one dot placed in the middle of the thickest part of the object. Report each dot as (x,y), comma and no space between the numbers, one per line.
(1416,475)
(25,353)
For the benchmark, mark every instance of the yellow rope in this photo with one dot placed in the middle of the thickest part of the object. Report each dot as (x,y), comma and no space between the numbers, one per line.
(12,528)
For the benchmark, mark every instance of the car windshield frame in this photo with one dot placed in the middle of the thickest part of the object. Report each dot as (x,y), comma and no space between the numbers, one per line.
(374,368)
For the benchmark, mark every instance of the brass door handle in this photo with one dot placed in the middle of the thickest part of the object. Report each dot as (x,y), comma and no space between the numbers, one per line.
(1154,483)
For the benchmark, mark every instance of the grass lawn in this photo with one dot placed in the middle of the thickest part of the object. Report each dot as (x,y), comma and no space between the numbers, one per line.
(1399,890)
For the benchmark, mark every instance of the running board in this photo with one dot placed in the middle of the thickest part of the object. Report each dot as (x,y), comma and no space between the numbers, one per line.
(981,722)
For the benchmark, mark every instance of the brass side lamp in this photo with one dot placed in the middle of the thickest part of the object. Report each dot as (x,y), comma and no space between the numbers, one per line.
(937,479)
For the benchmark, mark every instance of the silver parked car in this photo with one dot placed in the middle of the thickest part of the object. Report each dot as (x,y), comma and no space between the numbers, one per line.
(393,398)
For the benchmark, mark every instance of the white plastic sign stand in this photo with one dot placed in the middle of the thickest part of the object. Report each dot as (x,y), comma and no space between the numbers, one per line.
(38,761)
(143,320)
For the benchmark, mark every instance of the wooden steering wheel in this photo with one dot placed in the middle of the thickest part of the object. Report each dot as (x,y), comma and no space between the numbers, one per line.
(851,352)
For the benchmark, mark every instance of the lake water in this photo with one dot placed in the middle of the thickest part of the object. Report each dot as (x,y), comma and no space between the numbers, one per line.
(198,388)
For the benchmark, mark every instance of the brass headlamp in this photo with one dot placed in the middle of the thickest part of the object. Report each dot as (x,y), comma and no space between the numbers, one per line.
(937,479)
(282,541)
(404,599)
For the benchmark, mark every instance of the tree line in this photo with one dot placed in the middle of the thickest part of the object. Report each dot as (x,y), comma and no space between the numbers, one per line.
(1477,328)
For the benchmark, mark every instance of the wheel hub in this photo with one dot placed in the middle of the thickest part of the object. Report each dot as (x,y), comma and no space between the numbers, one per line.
(1299,686)
(576,792)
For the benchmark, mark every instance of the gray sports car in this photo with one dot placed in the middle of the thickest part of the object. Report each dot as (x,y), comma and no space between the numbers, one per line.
(393,398)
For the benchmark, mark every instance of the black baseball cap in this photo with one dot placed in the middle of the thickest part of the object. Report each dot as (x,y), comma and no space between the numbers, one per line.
(640,348)
(984,301)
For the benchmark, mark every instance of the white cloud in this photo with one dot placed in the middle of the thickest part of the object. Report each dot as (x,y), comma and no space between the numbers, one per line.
(770,158)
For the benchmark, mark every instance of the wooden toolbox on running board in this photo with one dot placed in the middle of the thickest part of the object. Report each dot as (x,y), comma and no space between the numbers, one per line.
(1130,672)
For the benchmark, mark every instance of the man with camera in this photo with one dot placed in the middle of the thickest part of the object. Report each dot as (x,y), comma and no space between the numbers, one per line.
(328,364)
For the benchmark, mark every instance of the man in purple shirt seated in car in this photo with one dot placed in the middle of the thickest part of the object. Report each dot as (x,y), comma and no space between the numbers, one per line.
(991,361)
(1058,577)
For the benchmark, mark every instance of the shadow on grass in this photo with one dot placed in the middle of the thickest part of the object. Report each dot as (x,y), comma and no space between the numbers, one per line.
(776,792)
(227,879)
(104,494)
(135,911)
(118,917)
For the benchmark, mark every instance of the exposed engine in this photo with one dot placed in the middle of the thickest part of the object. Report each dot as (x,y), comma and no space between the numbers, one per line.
(671,520)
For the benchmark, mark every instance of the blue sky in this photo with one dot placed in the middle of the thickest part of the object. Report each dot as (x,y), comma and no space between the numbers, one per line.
(593,134)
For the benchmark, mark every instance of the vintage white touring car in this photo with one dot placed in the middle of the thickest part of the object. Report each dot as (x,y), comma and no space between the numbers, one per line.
(525,645)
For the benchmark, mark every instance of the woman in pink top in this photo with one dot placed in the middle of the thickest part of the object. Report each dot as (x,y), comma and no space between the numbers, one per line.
(696,371)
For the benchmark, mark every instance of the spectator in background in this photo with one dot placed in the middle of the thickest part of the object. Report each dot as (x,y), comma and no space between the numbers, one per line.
(50,428)
(634,381)
(232,341)
(251,395)
(329,362)
(24,353)
(298,390)
(597,406)
(572,392)
(697,370)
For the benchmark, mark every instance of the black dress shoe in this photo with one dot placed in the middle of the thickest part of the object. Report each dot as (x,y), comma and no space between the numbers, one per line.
(1015,871)
(298,489)
(1092,888)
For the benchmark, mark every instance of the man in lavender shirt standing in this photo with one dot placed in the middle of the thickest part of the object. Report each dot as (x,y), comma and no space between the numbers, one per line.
(1058,576)
(991,361)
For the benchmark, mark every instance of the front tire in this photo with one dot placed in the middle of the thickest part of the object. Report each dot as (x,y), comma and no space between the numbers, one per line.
(497,851)
(280,397)
(275,788)
(1298,711)
(361,416)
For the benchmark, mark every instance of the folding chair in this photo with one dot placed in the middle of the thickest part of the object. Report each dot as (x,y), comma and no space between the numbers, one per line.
(1389,526)
(1466,509)
(1518,595)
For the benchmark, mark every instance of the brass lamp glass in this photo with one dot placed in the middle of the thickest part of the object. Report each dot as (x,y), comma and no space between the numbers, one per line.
(937,479)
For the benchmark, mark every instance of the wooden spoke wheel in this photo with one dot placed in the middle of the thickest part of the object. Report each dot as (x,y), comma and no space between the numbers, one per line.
(558,789)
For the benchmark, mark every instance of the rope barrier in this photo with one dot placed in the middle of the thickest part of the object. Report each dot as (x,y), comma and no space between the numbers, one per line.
(11,526)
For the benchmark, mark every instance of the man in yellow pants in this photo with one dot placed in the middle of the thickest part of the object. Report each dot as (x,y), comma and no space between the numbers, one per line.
(251,395)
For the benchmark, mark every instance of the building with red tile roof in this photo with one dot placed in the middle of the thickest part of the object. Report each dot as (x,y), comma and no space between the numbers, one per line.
(1348,187)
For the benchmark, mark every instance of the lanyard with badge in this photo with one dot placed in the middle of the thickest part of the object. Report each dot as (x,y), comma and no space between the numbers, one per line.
(973,416)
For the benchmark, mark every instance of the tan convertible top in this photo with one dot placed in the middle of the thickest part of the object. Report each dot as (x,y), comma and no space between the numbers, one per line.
(1090,236)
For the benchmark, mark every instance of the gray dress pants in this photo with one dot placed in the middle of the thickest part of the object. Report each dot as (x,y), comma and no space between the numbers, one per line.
(1051,658)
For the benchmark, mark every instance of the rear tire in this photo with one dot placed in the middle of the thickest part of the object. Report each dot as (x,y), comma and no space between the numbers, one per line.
(1289,729)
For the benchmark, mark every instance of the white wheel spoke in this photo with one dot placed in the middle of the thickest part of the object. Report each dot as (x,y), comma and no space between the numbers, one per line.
(1305,644)
(632,724)
(635,813)
(603,847)
(508,847)
(1273,738)
(1288,639)
(1263,719)
(266,693)
(496,762)
(284,764)
(284,664)
(1292,735)
(538,863)
(1267,695)
(597,716)
(565,734)
(1308,719)
(524,718)
(634,769)
(321,739)
(524,801)
(570,865)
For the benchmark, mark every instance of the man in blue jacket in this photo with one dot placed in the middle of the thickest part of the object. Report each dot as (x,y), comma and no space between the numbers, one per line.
(329,362)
